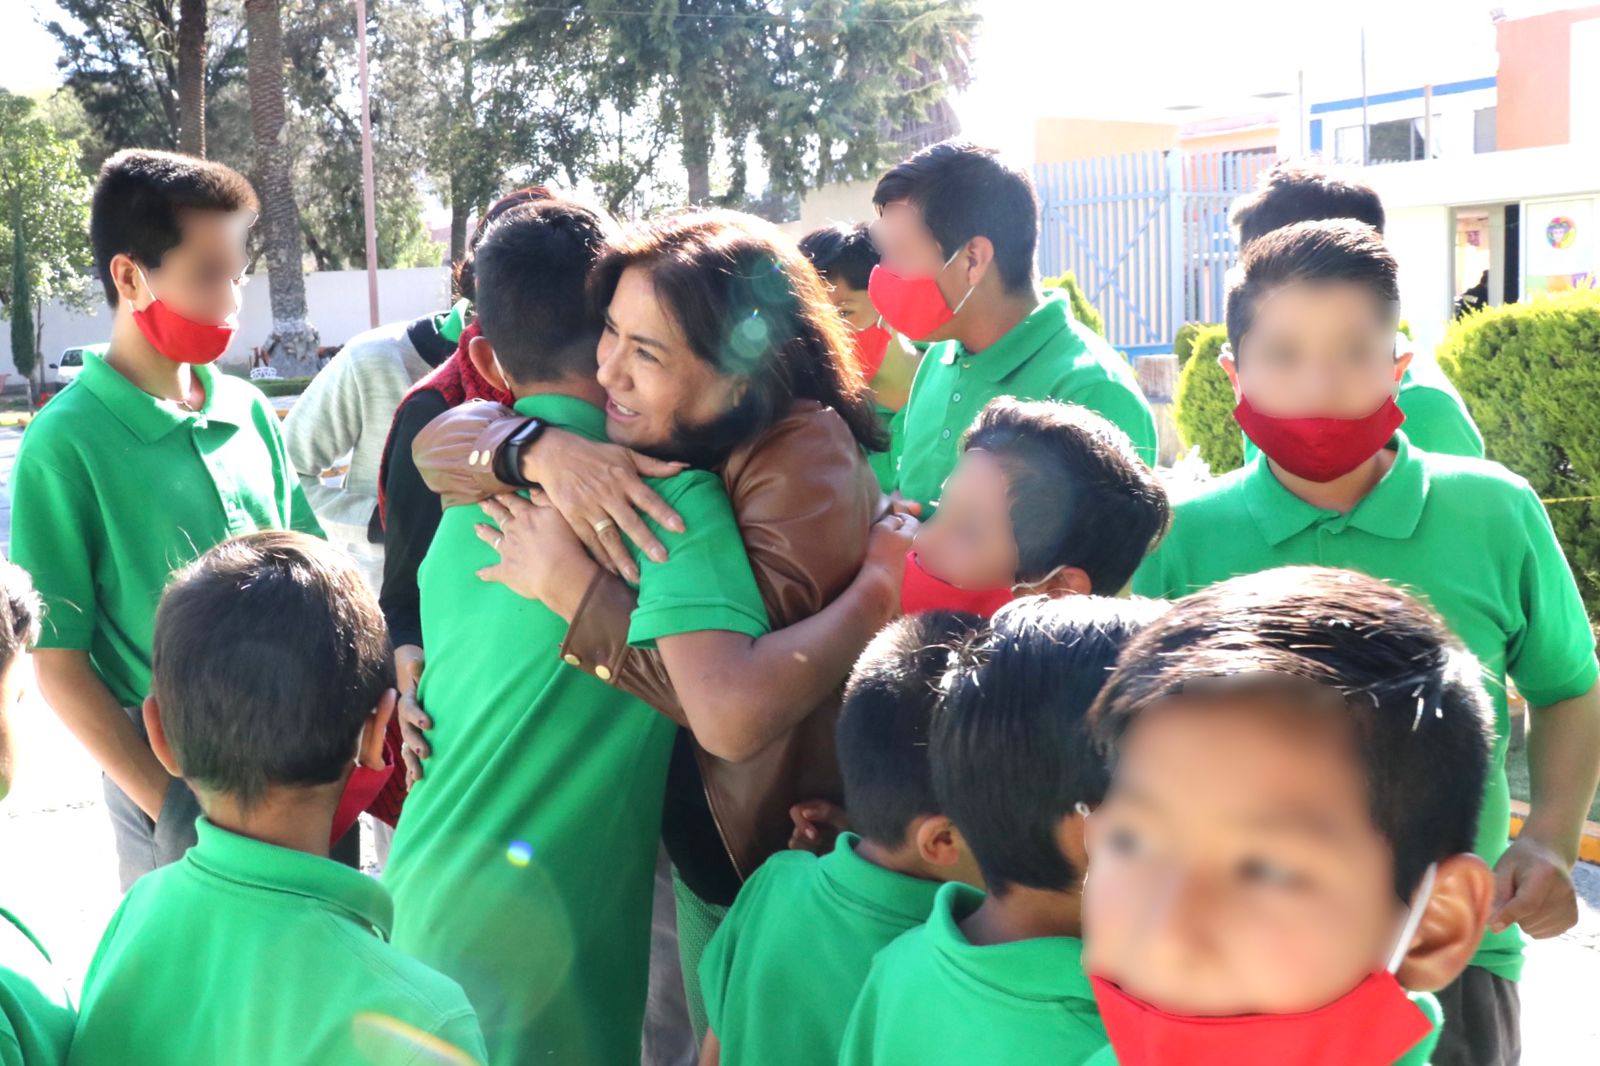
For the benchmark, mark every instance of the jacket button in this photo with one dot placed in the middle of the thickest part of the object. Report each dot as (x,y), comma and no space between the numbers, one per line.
(472,460)
(602,672)
(571,659)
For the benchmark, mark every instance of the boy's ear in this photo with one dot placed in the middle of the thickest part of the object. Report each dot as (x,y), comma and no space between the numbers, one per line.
(481,352)
(1453,921)
(937,840)
(1230,366)
(158,737)
(1069,838)
(1068,581)
(1402,360)
(369,752)
(978,259)
(125,276)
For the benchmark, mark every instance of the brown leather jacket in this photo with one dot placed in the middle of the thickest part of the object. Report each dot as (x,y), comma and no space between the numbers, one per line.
(805,501)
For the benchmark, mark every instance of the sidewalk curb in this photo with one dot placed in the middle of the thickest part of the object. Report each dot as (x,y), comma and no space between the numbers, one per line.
(1588,845)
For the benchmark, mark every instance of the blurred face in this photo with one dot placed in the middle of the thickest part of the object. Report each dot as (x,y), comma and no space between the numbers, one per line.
(852,303)
(1318,350)
(1233,868)
(968,541)
(202,278)
(654,381)
(907,247)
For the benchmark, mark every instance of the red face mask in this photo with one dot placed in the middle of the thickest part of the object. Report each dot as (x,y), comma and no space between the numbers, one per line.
(361,788)
(180,339)
(912,306)
(921,591)
(1319,449)
(1371,1025)
(871,345)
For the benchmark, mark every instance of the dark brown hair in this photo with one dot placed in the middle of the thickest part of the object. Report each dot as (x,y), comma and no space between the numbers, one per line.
(1413,697)
(270,652)
(1303,192)
(750,305)
(1333,250)
(465,278)
(139,200)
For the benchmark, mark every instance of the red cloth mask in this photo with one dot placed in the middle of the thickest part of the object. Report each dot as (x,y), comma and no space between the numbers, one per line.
(870,346)
(912,306)
(921,591)
(1320,449)
(183,340)
(1373,1024)
(362,788)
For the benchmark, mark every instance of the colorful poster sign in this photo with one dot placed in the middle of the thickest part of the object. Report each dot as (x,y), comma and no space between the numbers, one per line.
(1561,245)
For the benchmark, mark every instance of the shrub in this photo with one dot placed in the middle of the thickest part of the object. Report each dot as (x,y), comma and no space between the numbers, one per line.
(1183,341)
(1202,406)
(1082,309)
(1530,374)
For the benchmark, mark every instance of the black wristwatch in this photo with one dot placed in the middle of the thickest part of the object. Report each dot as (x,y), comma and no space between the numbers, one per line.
(508,458)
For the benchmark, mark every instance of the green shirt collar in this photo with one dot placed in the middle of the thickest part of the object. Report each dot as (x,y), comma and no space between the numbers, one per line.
(1392,509)
(251,862)
(1044,968)
(998,361)
(453,322)
(868,884)
(568,412)
(148,418)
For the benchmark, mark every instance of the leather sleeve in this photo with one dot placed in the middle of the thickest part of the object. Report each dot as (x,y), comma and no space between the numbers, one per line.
(805,501)
(455,453)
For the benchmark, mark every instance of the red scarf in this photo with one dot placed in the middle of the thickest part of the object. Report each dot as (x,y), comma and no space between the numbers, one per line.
(458,381)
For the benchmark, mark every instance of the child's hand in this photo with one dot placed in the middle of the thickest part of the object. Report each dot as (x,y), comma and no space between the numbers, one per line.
(414,748)
(1533,888)
(817,824)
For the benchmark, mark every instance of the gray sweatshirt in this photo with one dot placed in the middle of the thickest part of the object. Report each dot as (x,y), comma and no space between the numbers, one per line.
(347,408)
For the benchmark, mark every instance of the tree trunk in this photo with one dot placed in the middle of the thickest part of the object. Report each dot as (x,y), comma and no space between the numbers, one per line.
(23,353)
(460,207)
(293,341)
(463,190)
(697,152)
(192,77)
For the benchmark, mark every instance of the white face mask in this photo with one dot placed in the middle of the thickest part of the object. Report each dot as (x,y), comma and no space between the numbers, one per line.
(1419,907)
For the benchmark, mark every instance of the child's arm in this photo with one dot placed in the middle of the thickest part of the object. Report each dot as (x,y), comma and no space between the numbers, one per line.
(711,1050)
(737,692)
(75,692)
(1533,879)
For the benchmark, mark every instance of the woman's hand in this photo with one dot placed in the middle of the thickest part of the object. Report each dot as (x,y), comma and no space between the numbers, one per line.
(817,824)
(598,489)
(541,557)
(884,568)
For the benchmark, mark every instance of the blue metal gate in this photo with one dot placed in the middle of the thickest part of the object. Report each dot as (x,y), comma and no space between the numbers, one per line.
(1147,235)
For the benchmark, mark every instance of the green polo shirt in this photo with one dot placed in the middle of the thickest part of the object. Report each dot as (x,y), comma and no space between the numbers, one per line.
(36,1015)
(787,963)
(935,998)
(114,489)
(1437,419)
(243,951)
(524,860)
(1046,356)
(1466,535)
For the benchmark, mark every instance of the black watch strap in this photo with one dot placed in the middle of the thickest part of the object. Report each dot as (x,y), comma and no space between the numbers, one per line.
(508,459)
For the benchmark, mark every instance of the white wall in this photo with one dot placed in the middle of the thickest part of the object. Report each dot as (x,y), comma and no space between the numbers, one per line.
(336,301)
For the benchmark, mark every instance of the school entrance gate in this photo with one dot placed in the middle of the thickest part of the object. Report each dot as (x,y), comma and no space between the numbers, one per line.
(1147,235)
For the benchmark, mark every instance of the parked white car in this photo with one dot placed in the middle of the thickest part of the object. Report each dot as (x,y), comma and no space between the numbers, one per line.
(70,365)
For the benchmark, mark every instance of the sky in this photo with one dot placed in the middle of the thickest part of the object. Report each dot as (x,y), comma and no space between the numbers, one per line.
(1136,59)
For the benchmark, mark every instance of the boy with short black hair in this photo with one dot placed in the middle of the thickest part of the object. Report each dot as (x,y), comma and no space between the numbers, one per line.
(956,230)
(36,1015)
(1437,419)
(147,460)
(1285,848)
(785,966)
(273,685)
(1311,314)
(1047,498)
(998,978)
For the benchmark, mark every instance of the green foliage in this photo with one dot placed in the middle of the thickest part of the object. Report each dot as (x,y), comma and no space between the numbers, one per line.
(1082,310)
(1183,341)
(1203,404)
(1531,378)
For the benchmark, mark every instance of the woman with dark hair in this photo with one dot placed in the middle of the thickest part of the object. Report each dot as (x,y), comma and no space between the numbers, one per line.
(785,420)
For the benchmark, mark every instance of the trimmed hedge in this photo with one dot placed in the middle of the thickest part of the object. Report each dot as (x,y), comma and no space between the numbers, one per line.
(1530,374)
(1082,309)
(1183,341)
(1202,405)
